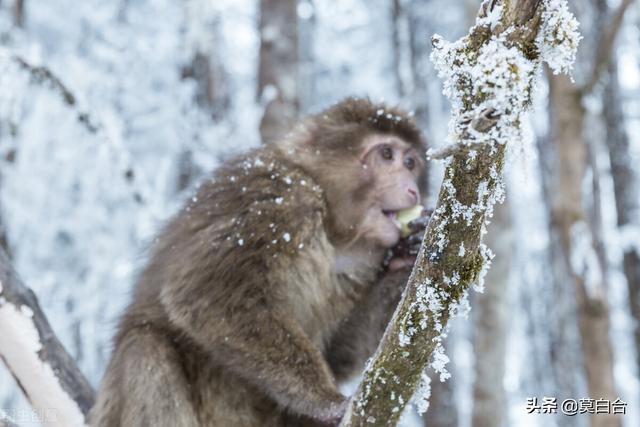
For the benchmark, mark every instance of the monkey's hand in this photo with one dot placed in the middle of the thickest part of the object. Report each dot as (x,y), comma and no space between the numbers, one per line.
(405,252)
(334,416)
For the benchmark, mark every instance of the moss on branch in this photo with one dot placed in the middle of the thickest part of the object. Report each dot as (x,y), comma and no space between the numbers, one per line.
(452,257)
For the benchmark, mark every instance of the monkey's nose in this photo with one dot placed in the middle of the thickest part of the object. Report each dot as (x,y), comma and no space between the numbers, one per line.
(413,192)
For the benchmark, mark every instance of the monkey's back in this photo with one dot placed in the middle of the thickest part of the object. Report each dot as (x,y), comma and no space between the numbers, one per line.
(251,240)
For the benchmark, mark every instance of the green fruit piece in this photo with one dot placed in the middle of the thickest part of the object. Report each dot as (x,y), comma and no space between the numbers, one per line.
(405,216)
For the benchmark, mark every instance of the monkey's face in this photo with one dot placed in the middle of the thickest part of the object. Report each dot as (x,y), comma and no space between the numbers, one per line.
(393,168)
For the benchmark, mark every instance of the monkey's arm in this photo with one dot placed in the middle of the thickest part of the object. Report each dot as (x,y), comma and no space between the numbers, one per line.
(360,334)
(268,350)
(358,337)
(227,292)
(276,355)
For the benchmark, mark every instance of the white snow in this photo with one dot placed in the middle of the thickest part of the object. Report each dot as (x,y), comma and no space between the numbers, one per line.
(558,38)
(19,348)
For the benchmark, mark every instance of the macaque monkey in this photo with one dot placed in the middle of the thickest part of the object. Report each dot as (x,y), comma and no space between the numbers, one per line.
(270,286)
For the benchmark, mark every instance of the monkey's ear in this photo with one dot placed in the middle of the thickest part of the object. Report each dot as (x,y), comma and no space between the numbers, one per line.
(304,133)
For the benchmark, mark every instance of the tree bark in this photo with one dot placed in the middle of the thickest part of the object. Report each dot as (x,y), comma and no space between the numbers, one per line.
(562,330)
(4,243)
(45,372)
(212,91)
(625,188)
(573,231)
(278,68)
(212,94)
(417,27)
(570,222)
(307,90)
(451,256)
(491,327)
(18,13)
(397,22)
(606,42)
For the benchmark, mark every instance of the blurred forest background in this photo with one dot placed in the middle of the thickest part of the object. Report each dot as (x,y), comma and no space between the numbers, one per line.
(112,111)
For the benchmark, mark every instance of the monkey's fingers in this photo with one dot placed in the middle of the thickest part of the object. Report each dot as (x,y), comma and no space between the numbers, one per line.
(400,263)
(334,417)
(421,222)
(415,238)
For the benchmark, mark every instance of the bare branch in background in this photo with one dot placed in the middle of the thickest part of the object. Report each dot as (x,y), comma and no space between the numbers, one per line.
(278,68)
(605,45)
(18,12)
(43,75)
(397,19)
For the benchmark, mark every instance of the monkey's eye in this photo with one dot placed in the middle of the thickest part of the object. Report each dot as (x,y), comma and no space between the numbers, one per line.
(410,163)
(386,152)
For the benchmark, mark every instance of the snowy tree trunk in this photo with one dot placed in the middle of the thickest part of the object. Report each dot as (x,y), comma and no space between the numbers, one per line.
(488,76)
(397,23)
(626,191)
(307,61)
(418,56)
(560,325)
(212,80)
(278,68)
(45,372)
(417,27)
(4,244)
(491,327)
(212,93)
(569,221)
(18,12)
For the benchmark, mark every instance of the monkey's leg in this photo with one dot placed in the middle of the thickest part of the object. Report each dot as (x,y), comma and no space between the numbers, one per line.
(144,386)
(357,338)
(276,355)
(269,350)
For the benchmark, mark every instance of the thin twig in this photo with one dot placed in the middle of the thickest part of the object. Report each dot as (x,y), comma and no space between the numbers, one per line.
(605,45)
(43,75)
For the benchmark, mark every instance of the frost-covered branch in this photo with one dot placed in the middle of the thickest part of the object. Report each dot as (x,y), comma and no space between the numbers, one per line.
(46,373)
(489,77)
(42,76)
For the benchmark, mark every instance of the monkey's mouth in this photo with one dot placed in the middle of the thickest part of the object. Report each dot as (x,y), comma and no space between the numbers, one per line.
(392,215)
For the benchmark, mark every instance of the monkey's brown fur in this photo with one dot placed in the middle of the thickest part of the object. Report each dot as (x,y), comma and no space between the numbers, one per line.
(243,316)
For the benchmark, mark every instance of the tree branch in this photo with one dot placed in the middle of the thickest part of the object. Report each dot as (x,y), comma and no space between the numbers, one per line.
(45,372)
(605,45)
(489,75)
(43,75)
